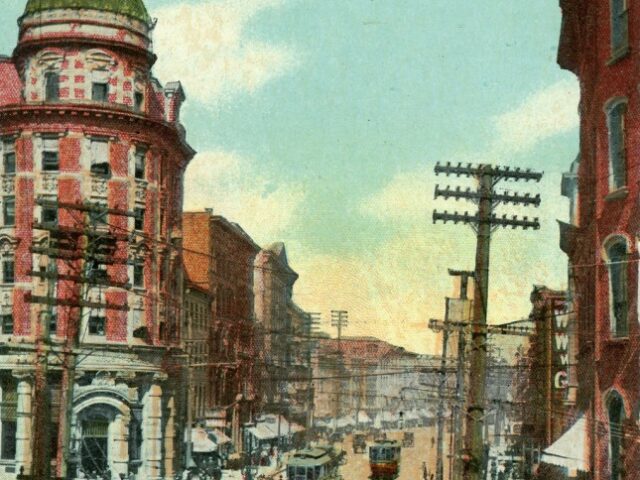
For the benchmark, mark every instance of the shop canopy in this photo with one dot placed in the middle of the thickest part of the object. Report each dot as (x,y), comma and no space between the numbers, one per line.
(570,450)
(270,425)
(220,437)
(364,418)
(202,442)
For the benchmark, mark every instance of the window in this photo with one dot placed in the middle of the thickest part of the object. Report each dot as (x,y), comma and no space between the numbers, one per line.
(50,160)
(7,323)
(617,155)
(619,28)
(138,276)
(139,219)
(138,101)
(140,163)
(8,410)
(96,325)
(97,272)
(8,157)
(100,85)
(98,214)
(617,264)
(53,322)
(51,86)
(9,211)
(8,270)
(616,447)
(100,157)
(49,216)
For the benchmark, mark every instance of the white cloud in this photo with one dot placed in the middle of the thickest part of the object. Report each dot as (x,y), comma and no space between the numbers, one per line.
(546,113)
(406,279)
(232,186)
(205,45)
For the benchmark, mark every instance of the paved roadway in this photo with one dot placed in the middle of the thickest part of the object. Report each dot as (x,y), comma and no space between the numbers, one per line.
(357,467)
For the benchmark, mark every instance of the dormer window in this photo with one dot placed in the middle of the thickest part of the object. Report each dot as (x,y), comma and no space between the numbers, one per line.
(100,157)
(100,86)
(52,86)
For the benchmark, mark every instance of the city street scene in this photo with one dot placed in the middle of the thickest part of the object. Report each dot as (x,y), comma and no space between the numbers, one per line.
(319,240)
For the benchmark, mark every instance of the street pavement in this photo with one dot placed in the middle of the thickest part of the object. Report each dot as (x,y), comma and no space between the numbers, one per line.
(357,467)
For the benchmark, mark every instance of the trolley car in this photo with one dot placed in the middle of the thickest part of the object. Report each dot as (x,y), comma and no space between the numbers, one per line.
(384,459)
(316,463)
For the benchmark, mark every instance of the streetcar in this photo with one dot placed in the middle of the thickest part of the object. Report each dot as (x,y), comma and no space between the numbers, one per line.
(384,459)
(315,463)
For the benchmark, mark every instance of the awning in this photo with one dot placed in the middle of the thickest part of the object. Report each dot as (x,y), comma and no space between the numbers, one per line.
(263,432)
(411,415)
(570,450)
(389,417)
(220,437)
(202,443)
(346,421)
(364,418)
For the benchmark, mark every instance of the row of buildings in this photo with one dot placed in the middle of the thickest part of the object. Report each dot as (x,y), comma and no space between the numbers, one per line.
(125,323)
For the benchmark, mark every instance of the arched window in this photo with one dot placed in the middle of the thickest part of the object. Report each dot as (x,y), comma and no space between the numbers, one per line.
(617,155)
(617,256)
(615,409)
(619,28)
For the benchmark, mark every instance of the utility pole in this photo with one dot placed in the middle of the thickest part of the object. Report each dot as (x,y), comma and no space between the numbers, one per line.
(465,276)
(84,247)
(339,320)
(312,322)
(483,222)
(441,399)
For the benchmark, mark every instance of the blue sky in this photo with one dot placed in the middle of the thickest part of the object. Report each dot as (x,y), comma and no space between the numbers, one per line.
(318,123)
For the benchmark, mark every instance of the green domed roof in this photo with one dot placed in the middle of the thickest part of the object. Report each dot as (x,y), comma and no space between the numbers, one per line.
(131,8)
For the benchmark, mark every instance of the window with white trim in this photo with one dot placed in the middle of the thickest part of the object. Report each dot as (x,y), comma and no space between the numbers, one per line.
(140,160)
(616,111)
(617,264)
(100,86)
(51,86)
(97,325)
(9,211)
(8,157)
(619,28)
(100,156)
(50,154)
(615,411)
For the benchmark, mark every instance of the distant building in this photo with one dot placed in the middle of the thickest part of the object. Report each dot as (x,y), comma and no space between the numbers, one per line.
(273,290)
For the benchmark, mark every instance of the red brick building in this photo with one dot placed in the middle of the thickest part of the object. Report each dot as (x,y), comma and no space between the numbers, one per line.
(83,121)
(600,43)
(219,257)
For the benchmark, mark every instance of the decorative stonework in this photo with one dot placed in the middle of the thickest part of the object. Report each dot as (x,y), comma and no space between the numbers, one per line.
(141,191)
(99,187)
(8,185)
(49,183)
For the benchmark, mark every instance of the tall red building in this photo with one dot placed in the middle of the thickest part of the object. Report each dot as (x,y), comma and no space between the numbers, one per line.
(600,43)
(87,135)
(219,259)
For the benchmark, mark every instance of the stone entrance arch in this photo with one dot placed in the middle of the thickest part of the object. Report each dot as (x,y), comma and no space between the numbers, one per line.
(100,434)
